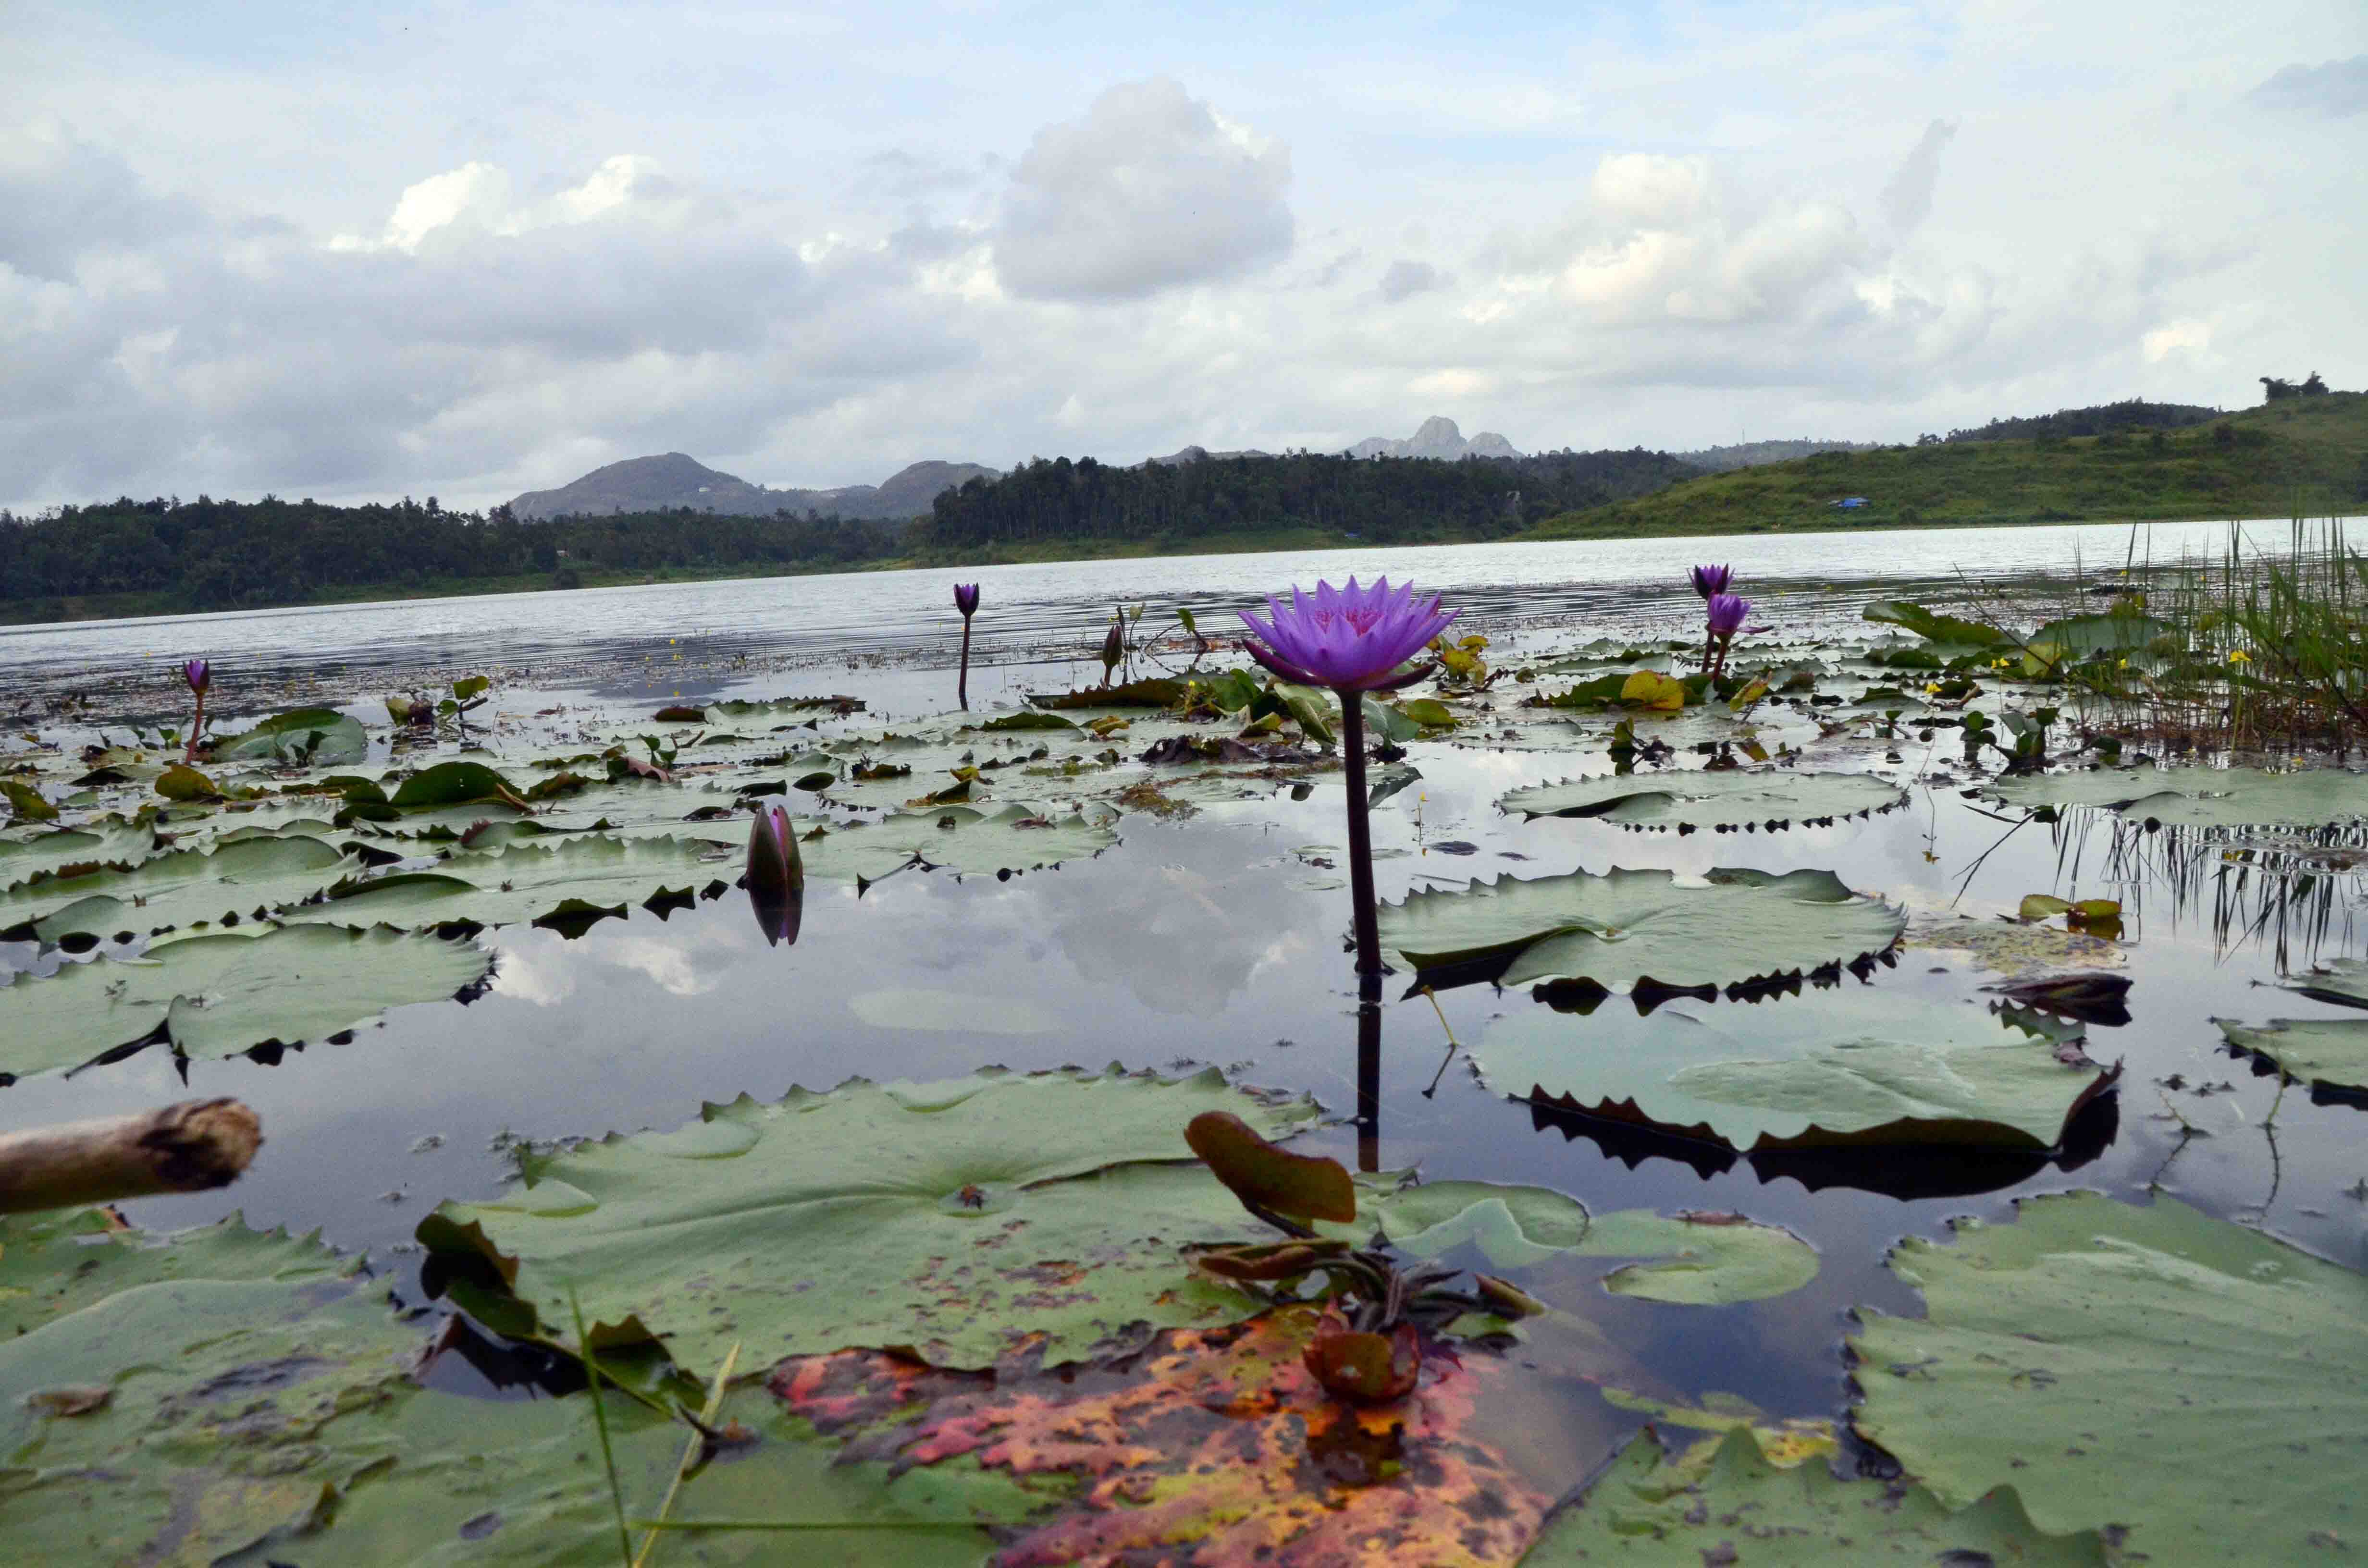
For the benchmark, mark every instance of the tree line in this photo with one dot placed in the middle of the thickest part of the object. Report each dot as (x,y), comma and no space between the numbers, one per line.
(210,554)
(1388,500)
(2103,419)
(214,554)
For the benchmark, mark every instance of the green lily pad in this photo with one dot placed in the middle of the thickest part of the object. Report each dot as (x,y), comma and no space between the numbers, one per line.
(219,994)
(571,882)
(841,1218)
(186,887)
(960,838)
(2320,1050)
(2342,982)
(46,854)
(1931,626)
(1726,1502)
(221,1362)
(1514,1227)
(2081,635)
(2198,797)
(1693,1258)
(1693,798)
(314,736)
(1700,1259)
(1623,927)
(2197,1385)
(242,1391)
(1863,1067)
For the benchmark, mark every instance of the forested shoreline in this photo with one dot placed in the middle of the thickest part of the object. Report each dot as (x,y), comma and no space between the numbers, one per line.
(210,554)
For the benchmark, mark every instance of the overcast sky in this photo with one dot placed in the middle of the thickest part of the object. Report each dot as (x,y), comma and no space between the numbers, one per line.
(357,252)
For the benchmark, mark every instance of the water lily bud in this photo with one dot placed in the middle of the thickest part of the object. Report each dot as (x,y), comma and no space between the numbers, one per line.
(774,866)
(1710,580)
(966,598)
(1114,647)
(199,674)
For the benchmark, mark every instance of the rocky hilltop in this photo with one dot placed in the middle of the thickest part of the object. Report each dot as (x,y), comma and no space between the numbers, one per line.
(674,479)
(1438,437)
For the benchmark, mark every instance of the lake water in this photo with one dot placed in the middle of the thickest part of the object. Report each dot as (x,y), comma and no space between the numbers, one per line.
(1214,940)
(638,639)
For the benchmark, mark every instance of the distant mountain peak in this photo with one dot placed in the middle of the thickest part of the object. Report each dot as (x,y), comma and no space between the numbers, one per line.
(1437,436)
(670,481)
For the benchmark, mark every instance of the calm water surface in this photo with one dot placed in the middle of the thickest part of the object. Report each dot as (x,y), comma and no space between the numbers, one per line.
(1214,940)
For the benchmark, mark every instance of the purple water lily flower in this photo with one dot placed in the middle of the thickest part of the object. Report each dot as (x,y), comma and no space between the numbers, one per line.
(967,601)
(1352,640)
(776,876)
(199,674)
(1727,614)
(1710,580)
(1349,639)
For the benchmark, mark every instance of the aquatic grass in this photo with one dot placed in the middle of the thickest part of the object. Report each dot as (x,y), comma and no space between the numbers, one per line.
(600,1420)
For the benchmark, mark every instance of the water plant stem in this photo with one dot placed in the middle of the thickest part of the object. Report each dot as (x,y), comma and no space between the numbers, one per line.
(1361,835)
(961,682)
(600,1420)
(693,1451)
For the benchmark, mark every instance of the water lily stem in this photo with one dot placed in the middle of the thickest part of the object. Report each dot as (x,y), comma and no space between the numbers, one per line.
(961,682)
(1361,835)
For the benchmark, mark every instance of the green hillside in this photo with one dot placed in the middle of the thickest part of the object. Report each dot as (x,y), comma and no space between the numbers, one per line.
(2307,455)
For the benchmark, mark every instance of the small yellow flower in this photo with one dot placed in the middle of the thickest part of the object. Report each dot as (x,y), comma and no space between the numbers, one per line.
(2238,656)
(2125,664)
(1931,689)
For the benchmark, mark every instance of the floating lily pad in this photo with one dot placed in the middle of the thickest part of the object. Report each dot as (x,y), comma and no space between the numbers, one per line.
(241,1390)
(1212,1446)
(1727,1503)
(312,736)
(1863,1067)
(1693,798)
(1623,927)
(224,1360)
(186,887)
(1700,1259)
(2342,982)
(571,882)
(961,838)
(838,1219)
(2319,1050)
(218,994)
(2201,1386)
(2198,797)
(45,854)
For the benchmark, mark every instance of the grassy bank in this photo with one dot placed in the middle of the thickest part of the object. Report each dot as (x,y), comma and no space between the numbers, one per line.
(2296,457)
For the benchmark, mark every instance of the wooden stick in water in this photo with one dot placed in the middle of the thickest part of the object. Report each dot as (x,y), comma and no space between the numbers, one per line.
(188,1147)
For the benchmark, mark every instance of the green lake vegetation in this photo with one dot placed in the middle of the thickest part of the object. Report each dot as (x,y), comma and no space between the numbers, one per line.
(1101,1315)
(2295,456)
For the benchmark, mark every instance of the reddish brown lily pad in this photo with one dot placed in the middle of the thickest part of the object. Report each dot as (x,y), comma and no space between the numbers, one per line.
(1212,1447)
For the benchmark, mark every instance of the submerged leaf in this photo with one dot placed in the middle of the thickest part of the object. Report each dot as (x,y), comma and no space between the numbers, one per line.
(1213,1446)
(2322,1050)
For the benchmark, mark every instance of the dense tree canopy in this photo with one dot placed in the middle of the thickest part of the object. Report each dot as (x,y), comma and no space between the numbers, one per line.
(1387,499)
